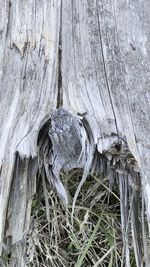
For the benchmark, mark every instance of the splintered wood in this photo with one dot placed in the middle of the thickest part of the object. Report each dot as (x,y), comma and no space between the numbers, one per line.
(91,57)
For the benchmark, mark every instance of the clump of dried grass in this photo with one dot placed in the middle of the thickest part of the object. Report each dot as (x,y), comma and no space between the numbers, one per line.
(94,238)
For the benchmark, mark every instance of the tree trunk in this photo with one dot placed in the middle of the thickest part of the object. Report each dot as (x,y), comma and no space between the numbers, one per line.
(29,89)
(103,49)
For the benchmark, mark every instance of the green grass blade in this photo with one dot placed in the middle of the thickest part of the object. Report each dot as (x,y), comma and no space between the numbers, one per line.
(81,259)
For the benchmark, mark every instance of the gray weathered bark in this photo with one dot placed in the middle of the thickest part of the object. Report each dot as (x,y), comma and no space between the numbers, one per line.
(104,50)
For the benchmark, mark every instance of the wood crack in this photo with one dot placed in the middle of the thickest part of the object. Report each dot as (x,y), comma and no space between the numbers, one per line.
(9,18)
(59,77)
(105,72)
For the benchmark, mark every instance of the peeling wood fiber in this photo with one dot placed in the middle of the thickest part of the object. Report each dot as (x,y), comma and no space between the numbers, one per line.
(92,57)
(103,76)
(66,142)
(29,32)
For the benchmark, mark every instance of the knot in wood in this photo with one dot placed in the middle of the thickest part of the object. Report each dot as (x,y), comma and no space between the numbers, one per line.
(67,135)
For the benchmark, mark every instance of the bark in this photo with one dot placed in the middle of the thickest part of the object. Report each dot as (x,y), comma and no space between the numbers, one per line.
(92,58)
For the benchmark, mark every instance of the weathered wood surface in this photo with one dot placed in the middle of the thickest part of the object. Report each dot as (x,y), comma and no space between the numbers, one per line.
(105,74)
(28,91)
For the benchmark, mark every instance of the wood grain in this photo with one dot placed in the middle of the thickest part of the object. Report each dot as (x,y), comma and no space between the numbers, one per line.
(92,57)
(28,91)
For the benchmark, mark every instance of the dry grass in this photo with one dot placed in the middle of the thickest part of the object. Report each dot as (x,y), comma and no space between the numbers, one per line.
(95,237)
